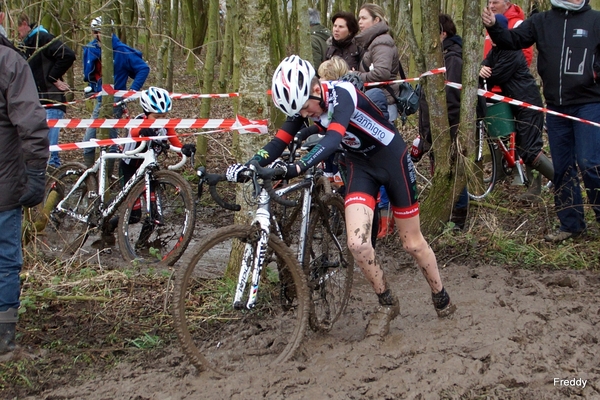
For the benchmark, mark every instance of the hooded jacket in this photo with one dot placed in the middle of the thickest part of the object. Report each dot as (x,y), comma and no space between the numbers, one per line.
(127,63)
(346,49)
(49,65)
(380,61)
(318,39)
(23,127)
(515,16)
(567,42)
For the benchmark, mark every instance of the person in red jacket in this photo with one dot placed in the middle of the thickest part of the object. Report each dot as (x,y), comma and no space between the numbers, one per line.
(515,16)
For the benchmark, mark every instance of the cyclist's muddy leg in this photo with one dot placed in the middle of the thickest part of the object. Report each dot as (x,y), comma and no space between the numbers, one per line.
(415,244)
(359,221)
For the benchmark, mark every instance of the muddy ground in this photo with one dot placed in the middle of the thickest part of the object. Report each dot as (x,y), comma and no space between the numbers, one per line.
(515,332)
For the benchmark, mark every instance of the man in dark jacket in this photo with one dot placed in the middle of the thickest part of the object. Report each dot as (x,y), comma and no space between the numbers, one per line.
(318,37)
(127,63)
(48,67)
(567,38)
(24,148)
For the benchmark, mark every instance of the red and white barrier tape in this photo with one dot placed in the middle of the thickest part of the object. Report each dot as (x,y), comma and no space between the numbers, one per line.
(494,96)
(243,125)
(427,73)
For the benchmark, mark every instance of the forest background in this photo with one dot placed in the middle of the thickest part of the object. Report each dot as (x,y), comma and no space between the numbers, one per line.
(234,46)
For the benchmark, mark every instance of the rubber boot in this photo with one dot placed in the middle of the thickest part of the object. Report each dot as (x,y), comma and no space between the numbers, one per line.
(386,224)
(535,187)
(8,324)
(89,159)
(544,165)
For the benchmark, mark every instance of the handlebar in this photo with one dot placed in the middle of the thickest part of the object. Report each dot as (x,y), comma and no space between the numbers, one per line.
(181,162)
(137,150)
(267,175)
(213,180)
(254,173)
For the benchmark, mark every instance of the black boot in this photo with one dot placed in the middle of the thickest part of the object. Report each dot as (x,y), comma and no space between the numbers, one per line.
(8,324)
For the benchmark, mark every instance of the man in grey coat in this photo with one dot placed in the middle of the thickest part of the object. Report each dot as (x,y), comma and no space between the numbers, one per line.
(24,149)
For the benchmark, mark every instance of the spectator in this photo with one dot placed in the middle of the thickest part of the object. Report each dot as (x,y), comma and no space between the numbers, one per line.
(342,43)
(48,67)
(452,51)
(508,69)
(127,63)
(24,145)
(567,42)
(318,36)
(515,16)
(380,62)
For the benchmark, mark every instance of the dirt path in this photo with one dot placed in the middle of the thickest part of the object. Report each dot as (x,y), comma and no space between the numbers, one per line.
(513,334)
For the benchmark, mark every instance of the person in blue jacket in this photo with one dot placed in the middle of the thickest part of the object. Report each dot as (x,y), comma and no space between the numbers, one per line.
(127,63)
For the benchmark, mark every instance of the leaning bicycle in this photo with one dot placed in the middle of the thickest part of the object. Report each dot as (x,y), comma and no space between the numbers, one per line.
(156,210)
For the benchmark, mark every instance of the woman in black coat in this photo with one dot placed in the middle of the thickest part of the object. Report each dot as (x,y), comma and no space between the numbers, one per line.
(341,43)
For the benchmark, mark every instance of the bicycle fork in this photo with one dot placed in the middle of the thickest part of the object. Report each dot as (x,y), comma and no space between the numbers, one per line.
(256,254)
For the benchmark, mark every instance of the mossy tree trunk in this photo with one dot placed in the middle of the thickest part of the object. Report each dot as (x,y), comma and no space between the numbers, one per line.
(435,210)
(208,75)
(255,70)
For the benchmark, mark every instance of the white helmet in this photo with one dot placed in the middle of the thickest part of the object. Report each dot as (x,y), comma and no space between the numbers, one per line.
(96,24)
(156,100)
(291,84)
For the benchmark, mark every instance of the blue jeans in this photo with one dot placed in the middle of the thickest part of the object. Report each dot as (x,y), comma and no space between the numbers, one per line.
(574,144)
(90,133)
(54,113)
(11,258)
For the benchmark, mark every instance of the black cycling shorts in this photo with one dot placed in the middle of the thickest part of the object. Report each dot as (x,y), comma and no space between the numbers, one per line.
(391,167)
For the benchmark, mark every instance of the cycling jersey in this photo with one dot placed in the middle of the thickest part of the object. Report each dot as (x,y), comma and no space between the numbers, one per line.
(353,121)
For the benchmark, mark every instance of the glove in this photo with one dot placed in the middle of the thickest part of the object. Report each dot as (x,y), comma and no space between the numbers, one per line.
(289,170)
(188,149)
(234,171)
(34,188)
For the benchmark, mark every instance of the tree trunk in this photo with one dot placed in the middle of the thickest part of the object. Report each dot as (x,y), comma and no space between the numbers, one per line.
(435,210)
(255,76)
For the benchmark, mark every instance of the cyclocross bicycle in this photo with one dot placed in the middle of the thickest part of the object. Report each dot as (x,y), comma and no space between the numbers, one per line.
(216,316)
(156,209)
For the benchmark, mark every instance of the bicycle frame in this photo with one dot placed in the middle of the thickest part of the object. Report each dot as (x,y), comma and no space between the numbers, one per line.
(262,219)
(149,162)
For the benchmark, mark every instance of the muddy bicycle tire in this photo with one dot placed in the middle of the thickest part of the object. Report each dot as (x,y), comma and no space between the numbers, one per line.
(161,237)
(328,263)
(216,336)
(65,233)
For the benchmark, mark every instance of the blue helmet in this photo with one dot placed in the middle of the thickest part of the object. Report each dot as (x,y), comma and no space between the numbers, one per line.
(156,100)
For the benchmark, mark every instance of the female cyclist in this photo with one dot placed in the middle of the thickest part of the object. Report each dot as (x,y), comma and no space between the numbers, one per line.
(376,155)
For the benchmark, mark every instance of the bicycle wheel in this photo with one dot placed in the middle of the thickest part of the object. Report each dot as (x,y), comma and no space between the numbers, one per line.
(328,264)
(68,233)
(216,336)
(162,236)
(482,177)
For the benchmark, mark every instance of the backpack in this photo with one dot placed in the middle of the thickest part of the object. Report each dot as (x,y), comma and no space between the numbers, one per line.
(408,98)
